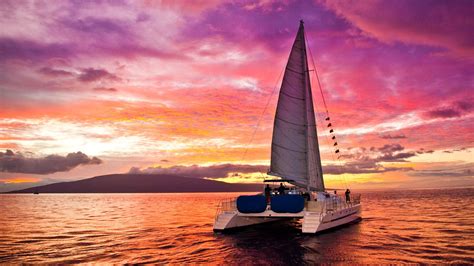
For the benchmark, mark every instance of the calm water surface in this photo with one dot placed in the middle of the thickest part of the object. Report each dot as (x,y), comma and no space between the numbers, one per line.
(417,226)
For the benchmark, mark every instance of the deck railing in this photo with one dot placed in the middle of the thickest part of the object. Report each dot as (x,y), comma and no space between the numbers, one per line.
(337,203)
(328,205)
(331,204)
(226,205)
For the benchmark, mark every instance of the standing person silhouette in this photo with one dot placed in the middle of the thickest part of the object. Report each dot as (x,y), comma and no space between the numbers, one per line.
(281,189)
(348,195)
(268,193)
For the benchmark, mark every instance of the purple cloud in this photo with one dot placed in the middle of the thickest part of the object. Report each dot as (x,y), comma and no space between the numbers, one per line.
(422,151)
(256,24)
(104,89)
(455,109)
(98,27)
(398,157)
(196,171)
(54,72)
(465,105)
(443,113)
(388,148)
(92,74)
(430,22)
(32,50)
(365,165)
(388,136)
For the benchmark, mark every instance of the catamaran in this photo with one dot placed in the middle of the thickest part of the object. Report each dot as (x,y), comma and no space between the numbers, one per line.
(296,160)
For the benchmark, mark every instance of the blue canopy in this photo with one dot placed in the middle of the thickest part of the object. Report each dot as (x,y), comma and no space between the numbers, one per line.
(251,204)
(287,203)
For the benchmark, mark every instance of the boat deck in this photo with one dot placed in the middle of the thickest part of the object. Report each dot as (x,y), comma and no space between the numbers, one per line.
(329,205)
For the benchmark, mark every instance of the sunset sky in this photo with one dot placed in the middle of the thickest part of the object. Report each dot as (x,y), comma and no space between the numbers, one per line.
(99,87)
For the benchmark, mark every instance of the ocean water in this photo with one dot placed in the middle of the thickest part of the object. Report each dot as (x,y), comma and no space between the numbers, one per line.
(415,226)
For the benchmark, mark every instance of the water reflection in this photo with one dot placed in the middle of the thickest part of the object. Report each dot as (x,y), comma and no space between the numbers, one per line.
(431,226)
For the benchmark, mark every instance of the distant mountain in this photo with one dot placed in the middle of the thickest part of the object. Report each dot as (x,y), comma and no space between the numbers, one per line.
(140,183)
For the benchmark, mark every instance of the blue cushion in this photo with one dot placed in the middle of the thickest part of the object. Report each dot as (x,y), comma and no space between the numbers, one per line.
(251,204)
(287,203)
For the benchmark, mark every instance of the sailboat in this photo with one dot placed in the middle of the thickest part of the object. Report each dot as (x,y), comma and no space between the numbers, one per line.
(295,161)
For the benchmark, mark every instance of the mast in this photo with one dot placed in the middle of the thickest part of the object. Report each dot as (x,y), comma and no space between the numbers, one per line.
(295,148)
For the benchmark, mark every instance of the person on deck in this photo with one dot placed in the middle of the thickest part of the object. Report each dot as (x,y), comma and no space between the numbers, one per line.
(268,191)
(306,196)
(281,189)
(348,195)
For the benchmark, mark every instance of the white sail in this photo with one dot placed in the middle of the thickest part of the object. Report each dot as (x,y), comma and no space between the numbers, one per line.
(295,148)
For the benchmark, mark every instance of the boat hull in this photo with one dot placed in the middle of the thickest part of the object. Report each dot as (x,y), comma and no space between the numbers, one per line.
(313,222)
(234,219)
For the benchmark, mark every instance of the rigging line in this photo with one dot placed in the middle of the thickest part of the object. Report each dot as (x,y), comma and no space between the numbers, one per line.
(341,178)
(261,116)
(321,120)
(324,101)
(317,76)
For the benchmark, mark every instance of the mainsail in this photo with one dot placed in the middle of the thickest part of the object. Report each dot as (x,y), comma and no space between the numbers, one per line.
(295,148)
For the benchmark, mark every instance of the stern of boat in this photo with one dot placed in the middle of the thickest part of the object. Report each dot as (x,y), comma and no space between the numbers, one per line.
(228,217)
(334,212)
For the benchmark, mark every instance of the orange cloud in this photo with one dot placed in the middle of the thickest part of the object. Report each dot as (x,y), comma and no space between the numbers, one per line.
(18,180)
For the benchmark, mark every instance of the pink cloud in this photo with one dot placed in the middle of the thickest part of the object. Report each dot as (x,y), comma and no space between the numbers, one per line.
(436,23)
(197,76)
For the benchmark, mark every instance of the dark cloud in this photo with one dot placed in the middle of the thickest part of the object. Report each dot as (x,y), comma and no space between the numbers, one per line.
(196,171)
(398,157)
(421,151)
(16,162)
(443,113)
(105,89)
(456,109)
(92,74)
(363,161)
(388,148)
(458,149)
(363,166)
(31,50)
(47,71)
(388,136)
(465,105)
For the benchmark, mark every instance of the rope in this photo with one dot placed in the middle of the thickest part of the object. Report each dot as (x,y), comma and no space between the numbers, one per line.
(261,118)
(338,162)
(317,77)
